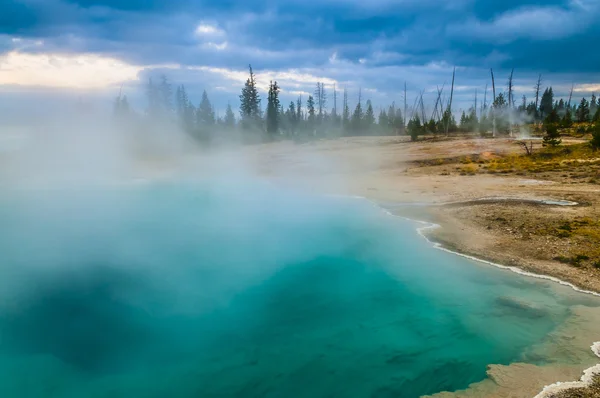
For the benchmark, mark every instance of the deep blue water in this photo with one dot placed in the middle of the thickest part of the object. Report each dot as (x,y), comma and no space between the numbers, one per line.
(243,290)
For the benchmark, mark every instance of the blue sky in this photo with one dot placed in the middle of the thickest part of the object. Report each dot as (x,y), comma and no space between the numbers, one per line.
(90,48)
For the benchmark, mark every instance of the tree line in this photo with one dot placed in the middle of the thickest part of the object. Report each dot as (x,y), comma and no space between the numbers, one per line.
(321,116)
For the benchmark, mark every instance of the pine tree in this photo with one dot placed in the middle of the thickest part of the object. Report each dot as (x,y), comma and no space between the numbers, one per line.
(546,103)
(184,108)
(121,109)
(358,116)
(179,106)
(273,110)
(229,120)
(346,113)
(567,120)
(165,92)
(384,122)
(205,112)
(310,106)
(299,115)
(250,103)
(292,117)
(463,122)
(485,124)
(414,128)
(593,106)
(369,117)
(583,111)
(396,119)
(500,113)
(552,137)
(153,99)
(595,141)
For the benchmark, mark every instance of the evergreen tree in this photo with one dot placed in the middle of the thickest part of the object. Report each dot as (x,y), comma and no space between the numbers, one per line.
(567,120)
(292,117)
(250,103)
(299,115)
(179,104)
(273,109)
(596,118)
(552,137)
(384,122)
(121,109)
(395,119)
(310,105)
(448,121)
(430,127)
(552,118)
(369,117)
(357,116)
(595,142)
(593,106)
(165,93)
(205,113)
(184,108)
(414,128)
(531,111)
(463,122)
(346,113)
(500,114)
(229,120)
(523,106)
(547,102)
(153,99)
(583,111)
(485,123)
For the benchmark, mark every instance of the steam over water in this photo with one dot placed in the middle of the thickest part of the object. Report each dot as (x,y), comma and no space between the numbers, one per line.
(230,289)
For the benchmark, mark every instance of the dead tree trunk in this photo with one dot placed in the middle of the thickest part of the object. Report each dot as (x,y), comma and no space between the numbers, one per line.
(450,104)
(493,110)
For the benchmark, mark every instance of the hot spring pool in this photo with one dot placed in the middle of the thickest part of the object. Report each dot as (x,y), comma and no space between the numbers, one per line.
(244,290)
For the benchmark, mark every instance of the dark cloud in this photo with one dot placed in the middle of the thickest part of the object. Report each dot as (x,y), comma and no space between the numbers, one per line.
(429,30)
(378,44)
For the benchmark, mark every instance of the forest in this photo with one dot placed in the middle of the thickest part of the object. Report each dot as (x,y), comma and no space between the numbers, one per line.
(325,115)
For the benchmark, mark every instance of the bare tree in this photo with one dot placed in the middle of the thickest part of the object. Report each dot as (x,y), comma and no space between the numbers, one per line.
(537,92)
(511,101)
(570,97)
(405,115)
(321,99)
(334,101)
(493,111)
(435,114)
(484,106)
(450,104)
(528,148)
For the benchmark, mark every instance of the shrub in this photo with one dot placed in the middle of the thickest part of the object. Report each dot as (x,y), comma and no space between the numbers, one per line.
(595,141)
(552,136)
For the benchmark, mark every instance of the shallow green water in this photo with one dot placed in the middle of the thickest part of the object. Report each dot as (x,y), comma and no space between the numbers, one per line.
(243,290)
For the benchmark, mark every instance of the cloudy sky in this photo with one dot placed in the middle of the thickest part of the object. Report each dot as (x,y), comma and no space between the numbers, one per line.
(61,49)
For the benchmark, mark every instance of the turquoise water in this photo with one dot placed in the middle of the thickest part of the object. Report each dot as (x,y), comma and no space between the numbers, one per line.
(244,290)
